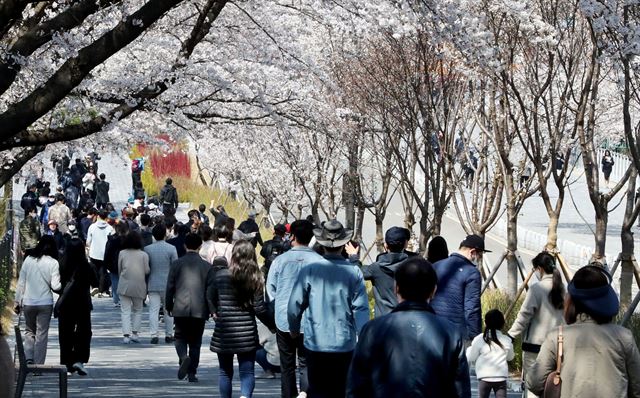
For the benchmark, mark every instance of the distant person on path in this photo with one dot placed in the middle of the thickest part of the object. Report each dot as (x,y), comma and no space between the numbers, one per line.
(220,247)
(169,198)
(190,277)
(203,217)
(53,231)
(102,192)
(194,221)
(88,183)
(410,352)
(541,311)
(237,298)
(283,274)
(332,297)
(206,234)
(219,213)
(97,236)
(72,195)
(607,166)
(437,249)
(458,295)
(490,352)
(78,170)
(111,255)
(145,230)
(29,230)
(29,199)
(161,255)
(600,358)
(273,247)
(381,273)
(74,308)
(39,276)
(61,214)
(178,241)
(250,226)
(133,268)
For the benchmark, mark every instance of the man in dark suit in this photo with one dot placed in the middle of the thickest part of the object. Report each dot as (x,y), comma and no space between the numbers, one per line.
(189,278)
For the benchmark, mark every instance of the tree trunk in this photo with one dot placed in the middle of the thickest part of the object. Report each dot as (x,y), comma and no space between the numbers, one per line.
(424,232)
(359,223)
(379,234)
(602,219)
(552,232)
(512,246)
(626,236)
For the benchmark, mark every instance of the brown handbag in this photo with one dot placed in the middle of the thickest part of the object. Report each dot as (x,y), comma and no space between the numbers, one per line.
(553,385)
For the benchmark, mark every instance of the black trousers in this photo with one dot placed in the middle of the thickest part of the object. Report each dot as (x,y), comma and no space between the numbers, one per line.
(328,373)
(104,280)
(289,348)
(188,334)
(485,388)
(74,334)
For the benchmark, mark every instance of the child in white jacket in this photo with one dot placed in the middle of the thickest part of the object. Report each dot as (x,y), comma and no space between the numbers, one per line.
(490,352)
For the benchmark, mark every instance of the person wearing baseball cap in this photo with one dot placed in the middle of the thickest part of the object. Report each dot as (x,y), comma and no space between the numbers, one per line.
(381,272)
(332,296)
(458,295)
(601,357)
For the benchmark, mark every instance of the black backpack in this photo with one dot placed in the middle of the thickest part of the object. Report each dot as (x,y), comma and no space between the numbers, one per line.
(277,249)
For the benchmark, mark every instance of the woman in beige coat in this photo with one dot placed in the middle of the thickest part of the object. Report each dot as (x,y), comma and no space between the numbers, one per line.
(541,310)
(601,359)
(133,267)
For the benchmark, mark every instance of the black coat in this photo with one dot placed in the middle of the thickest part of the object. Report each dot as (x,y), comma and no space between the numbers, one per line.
(410,352)
(78,297)
(236,330)
(249,226)
(102,192)
(111,253)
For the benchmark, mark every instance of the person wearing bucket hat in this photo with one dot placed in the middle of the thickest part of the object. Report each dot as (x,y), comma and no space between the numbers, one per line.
(332,296)
(458,295)
(600,358)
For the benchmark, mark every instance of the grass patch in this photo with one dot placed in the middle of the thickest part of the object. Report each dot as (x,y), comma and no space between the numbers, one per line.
(498,299)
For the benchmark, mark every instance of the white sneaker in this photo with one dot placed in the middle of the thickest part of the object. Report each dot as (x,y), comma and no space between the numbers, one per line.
(135,338)
(79,367)
(126,340)
(302,395)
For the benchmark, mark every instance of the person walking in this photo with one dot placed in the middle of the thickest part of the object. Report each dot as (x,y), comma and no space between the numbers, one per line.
(607,163)
(29,230)
(599,357)
(250,226)
(74,307)
(381,272)
(332,296)
(220,246)
(161,255)
(97,236)
(540,312)
(285,271)
(491,351)
(437,249)
(237,298)
(39,276)
(219,213)
(169,198)
(88,183)
(458,295)
(410,352)
(111,255)
(29,199)
(133,267)
(190,279)
(273,248)
(53,231)
(61,214)
(102,192)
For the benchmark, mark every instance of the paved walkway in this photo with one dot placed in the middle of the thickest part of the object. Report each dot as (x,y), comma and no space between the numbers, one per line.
(139,370)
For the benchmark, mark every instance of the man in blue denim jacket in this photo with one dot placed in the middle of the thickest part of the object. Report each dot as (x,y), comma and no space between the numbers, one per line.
(283,274)
(332,295)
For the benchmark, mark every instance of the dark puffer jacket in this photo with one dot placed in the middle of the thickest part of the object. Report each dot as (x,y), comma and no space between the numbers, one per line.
(458,296)
(235,330)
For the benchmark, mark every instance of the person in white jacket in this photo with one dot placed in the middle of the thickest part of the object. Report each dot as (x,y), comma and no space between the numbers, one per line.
(97,237)
(39,276)
(490,351)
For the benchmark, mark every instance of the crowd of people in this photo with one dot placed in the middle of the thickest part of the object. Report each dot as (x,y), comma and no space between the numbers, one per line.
(304,312)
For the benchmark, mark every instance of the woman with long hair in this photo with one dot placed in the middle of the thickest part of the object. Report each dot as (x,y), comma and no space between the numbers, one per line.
(39,276)
(600,358)
(74,307)
(133,267)
(236,298)
(541,310)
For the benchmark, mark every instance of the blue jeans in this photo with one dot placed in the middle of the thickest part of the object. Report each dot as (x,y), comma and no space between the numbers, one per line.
(261,359)
(114,287)
(246,365)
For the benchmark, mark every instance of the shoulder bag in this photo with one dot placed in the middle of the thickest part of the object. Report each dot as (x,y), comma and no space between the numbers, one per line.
(553,385)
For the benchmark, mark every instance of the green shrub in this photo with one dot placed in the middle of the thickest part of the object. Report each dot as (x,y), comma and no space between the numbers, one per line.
(498,299)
